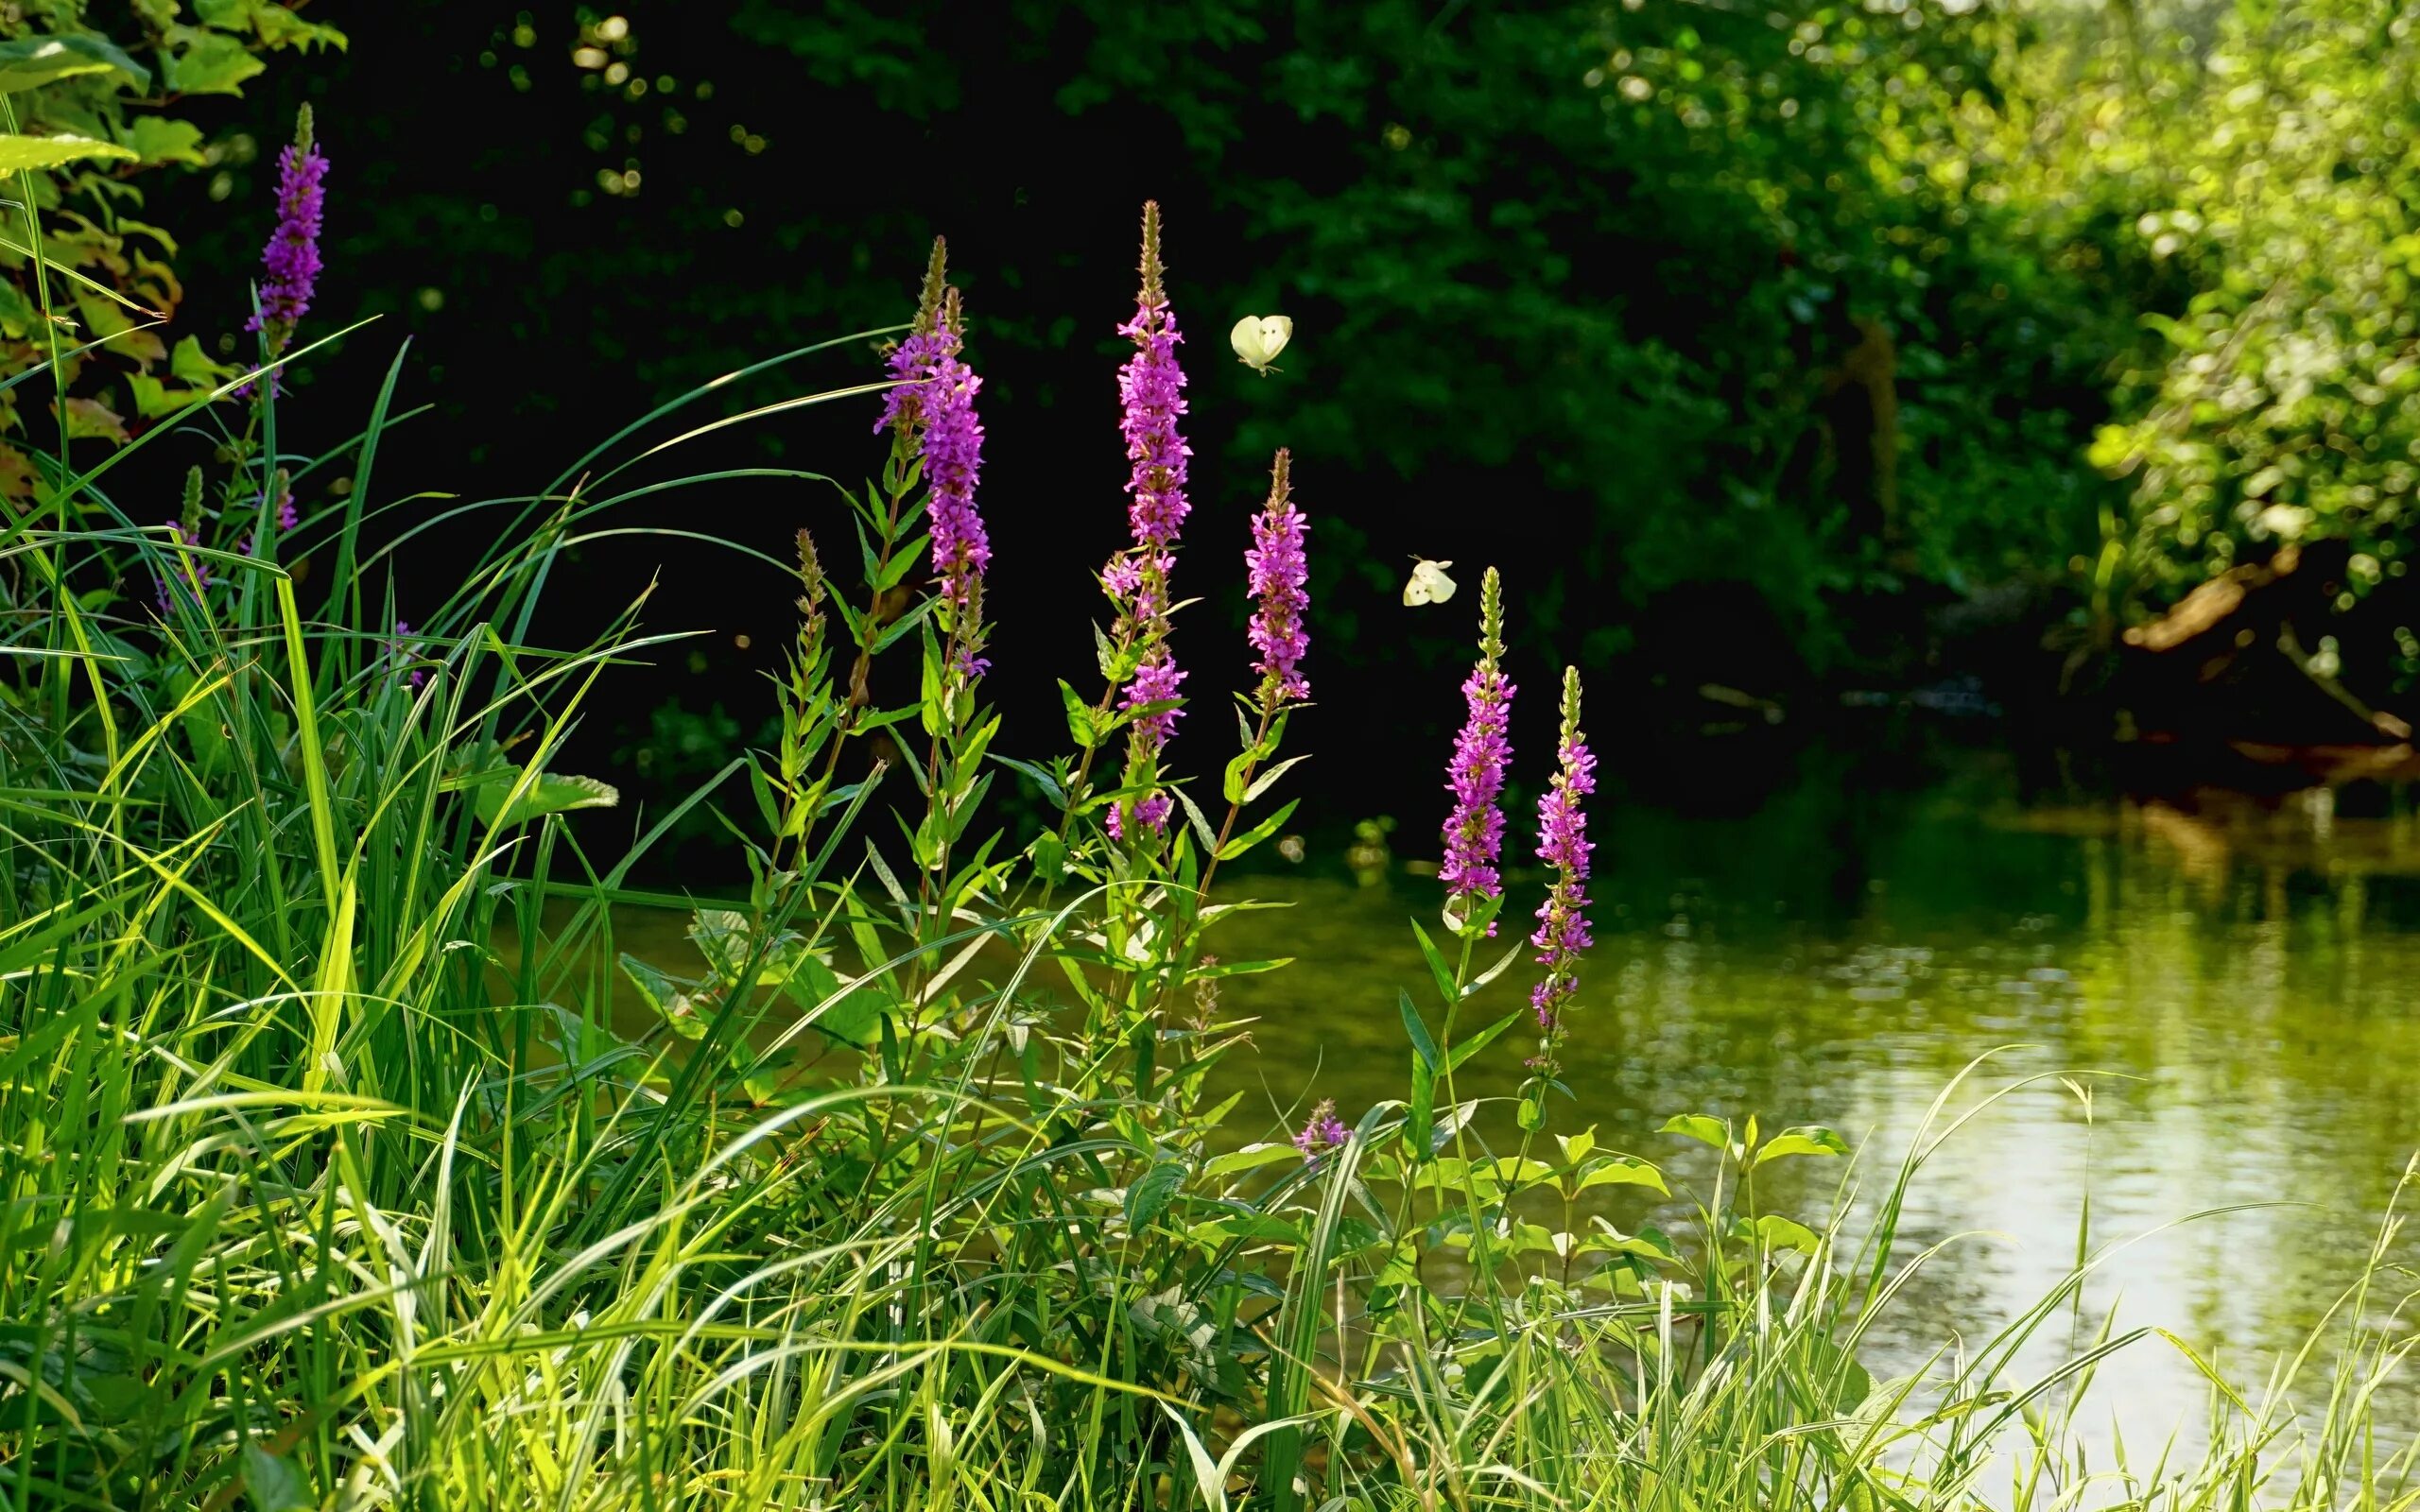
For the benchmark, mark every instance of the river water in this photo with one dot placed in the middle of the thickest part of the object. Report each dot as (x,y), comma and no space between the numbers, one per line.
(2232,988)
(2203,1012)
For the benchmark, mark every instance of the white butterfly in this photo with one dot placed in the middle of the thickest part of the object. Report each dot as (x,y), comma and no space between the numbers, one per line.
(1430,584)
(1258,339)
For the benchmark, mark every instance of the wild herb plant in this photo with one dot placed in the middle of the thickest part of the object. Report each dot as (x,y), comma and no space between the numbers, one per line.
(332,1176)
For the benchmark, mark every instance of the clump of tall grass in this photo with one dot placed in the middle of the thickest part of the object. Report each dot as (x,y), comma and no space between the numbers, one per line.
(328,1178)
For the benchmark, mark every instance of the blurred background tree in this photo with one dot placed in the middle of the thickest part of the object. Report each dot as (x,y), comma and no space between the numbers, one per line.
(1790,348)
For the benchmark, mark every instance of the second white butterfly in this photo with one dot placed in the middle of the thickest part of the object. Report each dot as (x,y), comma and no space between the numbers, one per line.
(1428,584)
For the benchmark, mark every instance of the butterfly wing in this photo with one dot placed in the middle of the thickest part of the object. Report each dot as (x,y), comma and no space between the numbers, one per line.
(1252,350)
(1275,331)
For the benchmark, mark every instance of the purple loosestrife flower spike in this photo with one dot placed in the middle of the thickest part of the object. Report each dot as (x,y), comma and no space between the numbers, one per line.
(1150,391)
(282,488)
(1474,832)
(1563,845)
(1322,1131)
(935,403)
(290,261)
(1278,572)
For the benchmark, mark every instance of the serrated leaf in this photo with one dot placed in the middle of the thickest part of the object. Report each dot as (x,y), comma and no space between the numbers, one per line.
(211,63)
(162,139)
(548,793)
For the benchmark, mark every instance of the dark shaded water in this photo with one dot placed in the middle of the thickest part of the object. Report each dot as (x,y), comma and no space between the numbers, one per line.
(2230,986)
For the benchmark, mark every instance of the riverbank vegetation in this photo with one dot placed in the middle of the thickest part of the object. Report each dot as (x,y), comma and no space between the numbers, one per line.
(346,1161)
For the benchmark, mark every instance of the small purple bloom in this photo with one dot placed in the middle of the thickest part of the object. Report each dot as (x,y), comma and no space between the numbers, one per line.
(1564,846)
(1150,815)
(1474,832)
(404,651)
(1322,1131)
(1154,682)
(290,261)
(1278,572)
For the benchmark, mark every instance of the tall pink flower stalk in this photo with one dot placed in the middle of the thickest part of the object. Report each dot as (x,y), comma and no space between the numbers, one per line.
(935,404)
(1563,846)
(290,261)
(1151,392)
(1278,572)
(1474,832)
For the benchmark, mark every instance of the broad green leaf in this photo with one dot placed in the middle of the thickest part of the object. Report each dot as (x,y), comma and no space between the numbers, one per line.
(155,399)
(1698,1127)
(548,793)
(1777,1232)
(1079,717)
(26,62)
(723,937)
(274,1484)
(1806,1139)
(18,152)
(1152,1192)
(1622,1171)
(187,362)
(854,1017)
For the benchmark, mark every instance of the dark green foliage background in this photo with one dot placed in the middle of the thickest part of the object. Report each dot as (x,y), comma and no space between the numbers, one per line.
(1580,290)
